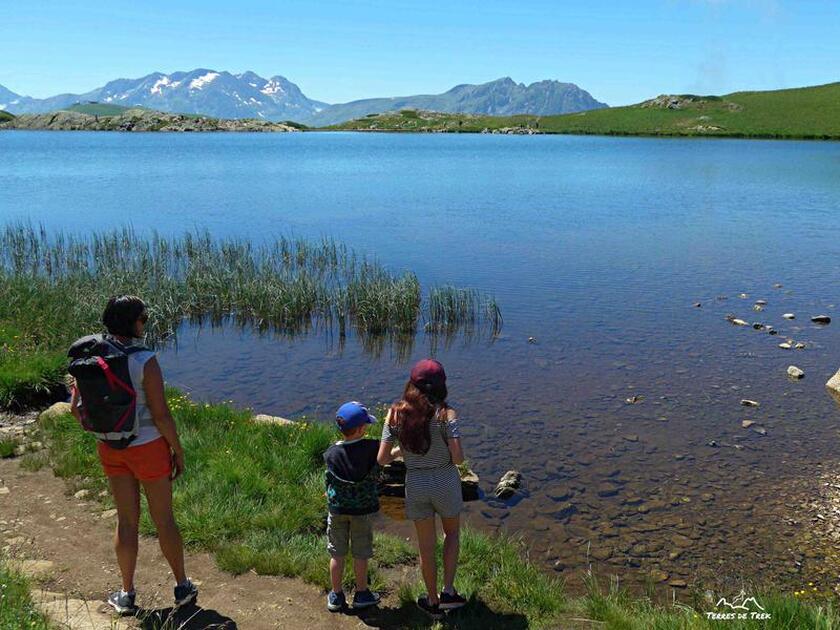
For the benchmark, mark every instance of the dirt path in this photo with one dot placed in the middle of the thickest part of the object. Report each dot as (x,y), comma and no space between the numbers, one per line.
(66,545)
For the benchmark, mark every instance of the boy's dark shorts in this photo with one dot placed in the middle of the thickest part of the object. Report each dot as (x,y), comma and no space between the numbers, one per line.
(357,530)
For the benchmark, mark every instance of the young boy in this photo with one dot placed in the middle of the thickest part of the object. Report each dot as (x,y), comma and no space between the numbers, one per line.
(352,498)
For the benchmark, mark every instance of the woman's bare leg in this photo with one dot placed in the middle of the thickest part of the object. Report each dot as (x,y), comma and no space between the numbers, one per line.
(159,496)
(426,541)
(451,548)
(126,492)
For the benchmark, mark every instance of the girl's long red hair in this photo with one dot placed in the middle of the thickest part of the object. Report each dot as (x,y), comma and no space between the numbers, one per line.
(412,416)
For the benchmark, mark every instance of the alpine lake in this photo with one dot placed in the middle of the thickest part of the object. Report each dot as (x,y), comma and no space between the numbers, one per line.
(616,383)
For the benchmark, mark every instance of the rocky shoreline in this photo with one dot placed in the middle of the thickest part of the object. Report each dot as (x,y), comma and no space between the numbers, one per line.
(139,119)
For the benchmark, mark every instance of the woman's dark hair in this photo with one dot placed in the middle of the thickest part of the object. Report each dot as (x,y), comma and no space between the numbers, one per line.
(412,416)
(121,313)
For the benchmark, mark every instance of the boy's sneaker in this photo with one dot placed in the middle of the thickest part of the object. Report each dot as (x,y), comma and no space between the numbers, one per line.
(433,611)
(122,602)
(365,599)
(185,593)
(451,602)
(336,601)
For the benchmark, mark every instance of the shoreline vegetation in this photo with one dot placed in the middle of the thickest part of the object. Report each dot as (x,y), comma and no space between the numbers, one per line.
(253,497)
(53,286)
(809,113)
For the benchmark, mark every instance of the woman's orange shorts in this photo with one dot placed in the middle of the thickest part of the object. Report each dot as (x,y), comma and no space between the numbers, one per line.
(147,462)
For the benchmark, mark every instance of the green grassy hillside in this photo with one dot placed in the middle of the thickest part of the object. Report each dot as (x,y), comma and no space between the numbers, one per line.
(811,112)
(98,109)
(4,116)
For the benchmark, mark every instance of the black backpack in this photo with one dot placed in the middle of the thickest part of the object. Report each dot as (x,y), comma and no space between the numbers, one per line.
(107,397)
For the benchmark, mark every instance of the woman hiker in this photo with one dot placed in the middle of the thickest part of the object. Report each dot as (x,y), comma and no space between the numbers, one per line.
(150,456)
(425,431)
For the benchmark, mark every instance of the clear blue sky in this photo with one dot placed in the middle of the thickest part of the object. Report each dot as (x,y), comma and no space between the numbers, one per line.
(621,51)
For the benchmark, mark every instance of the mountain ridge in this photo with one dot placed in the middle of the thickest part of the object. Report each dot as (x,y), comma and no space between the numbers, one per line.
(248,95)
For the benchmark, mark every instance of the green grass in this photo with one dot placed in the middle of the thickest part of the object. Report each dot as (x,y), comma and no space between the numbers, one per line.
(16,607)
(7,447)
(53,287)
(98,109)
(808,113)
(5,116)
(253,495)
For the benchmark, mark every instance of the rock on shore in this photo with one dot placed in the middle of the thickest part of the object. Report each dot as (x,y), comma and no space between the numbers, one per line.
(138,119)
(833,385)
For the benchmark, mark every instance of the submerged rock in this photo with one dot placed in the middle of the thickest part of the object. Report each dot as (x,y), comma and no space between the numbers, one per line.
(821,319)
(749,403)
(795,372)
(789,316)
(785,345)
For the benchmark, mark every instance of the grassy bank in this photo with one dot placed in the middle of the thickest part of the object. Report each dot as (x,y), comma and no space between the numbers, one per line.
(253,496)
(53,288)
(810,113)
(16,607)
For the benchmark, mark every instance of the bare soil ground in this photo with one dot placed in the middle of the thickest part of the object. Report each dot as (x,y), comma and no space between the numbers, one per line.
(65,544)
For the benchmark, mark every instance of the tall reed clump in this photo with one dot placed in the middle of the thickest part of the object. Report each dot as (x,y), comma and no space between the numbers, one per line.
(53,287)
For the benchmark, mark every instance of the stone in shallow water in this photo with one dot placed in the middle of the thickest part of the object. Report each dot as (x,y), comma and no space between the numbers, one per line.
(795,372)
(508,484)
(608,490)
(789,316)
(821,319)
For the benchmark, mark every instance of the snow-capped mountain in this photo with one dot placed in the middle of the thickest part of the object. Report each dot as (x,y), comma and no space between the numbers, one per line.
(202,91)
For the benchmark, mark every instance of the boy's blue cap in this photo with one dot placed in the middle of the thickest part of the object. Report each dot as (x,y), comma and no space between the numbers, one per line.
(351,415)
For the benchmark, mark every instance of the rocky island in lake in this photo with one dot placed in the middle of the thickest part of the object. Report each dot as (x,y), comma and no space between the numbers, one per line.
(96,117)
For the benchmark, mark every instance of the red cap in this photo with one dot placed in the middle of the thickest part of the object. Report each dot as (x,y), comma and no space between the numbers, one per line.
(429,372)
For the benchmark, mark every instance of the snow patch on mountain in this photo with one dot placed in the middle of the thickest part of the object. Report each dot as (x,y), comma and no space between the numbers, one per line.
(164,82)
(204,79)
(272,87)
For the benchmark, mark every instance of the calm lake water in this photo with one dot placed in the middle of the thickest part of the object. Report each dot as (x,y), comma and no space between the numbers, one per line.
(596,247)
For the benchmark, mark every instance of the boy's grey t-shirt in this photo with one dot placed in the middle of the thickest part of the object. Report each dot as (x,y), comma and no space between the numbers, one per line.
(438,454)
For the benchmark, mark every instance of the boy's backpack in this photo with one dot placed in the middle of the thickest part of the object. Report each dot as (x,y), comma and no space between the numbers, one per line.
(353,497)
(107,397)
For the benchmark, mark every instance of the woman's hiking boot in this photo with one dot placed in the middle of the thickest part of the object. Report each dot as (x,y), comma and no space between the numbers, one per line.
(122,602)
(433,610)
(185,593)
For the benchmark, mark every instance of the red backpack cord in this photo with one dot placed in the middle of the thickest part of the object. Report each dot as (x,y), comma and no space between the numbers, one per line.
(114,382)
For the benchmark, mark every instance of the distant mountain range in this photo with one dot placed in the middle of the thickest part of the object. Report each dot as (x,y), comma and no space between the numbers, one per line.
(248,95)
